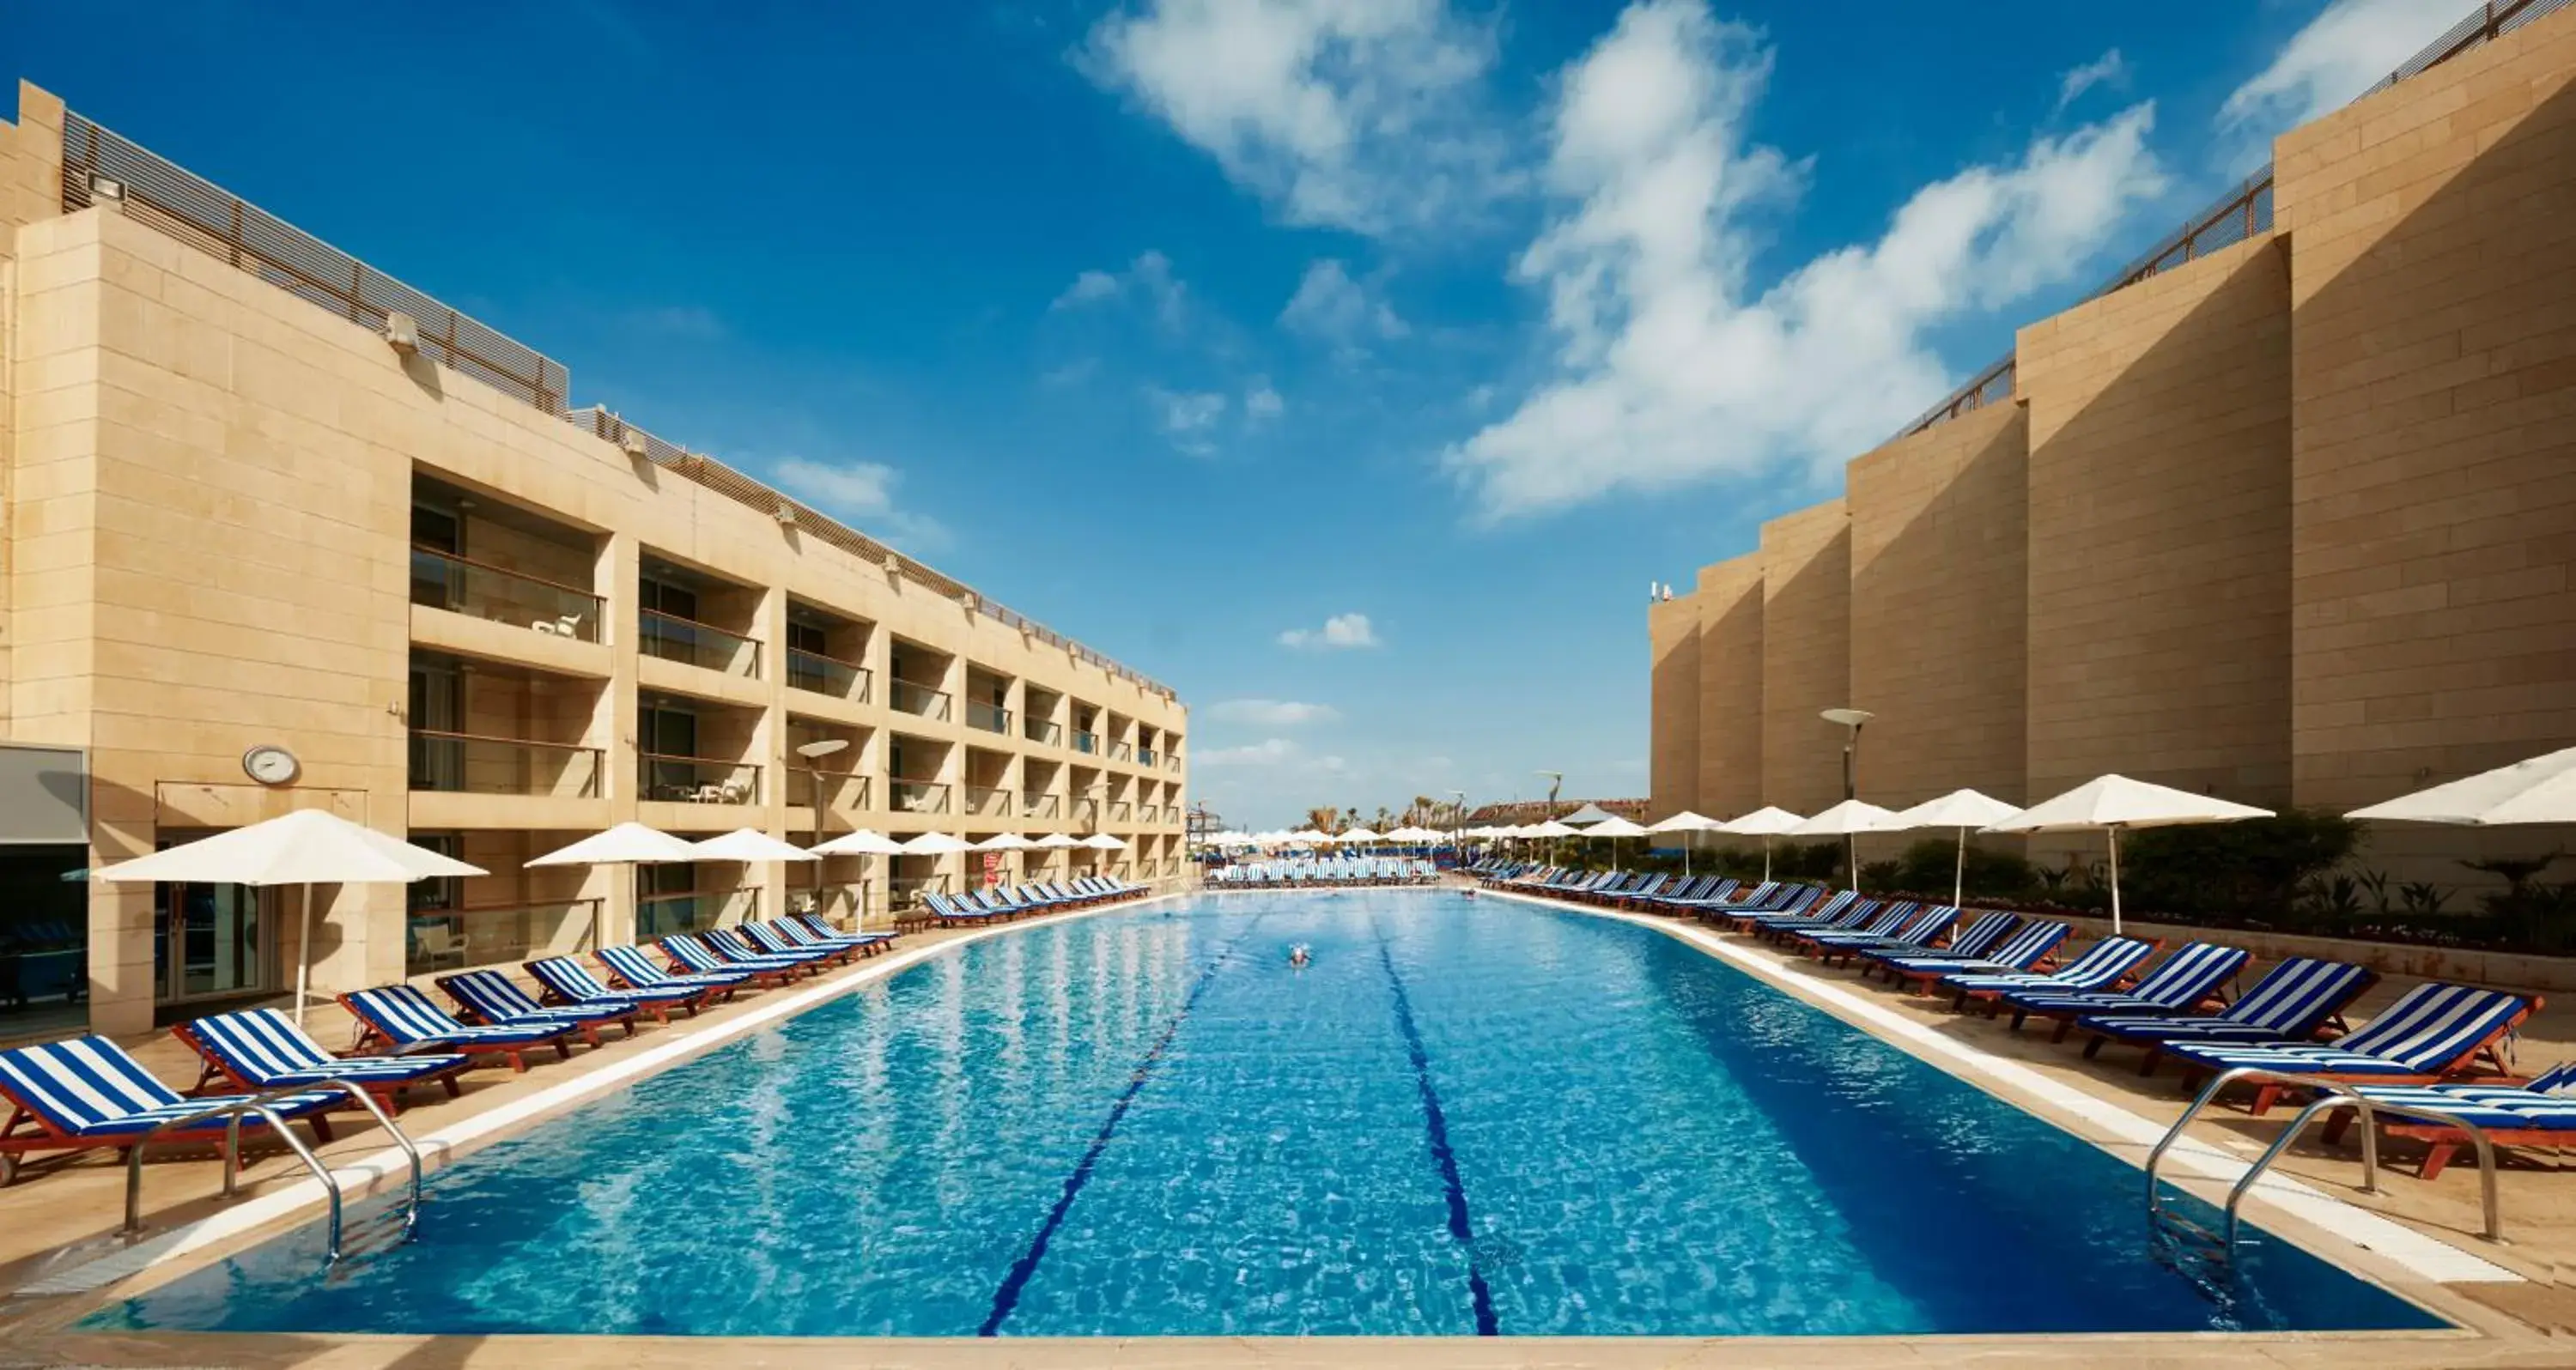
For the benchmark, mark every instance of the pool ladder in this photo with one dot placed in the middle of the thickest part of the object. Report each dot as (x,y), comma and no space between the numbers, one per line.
(2331,1095)
(264,1107)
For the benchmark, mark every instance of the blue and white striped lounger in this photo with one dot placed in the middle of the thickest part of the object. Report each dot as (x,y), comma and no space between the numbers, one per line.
(568,982)
(731,944)
(2432,1031)
(808,930)
(634,968)
(2187,979)
(2033,944)
(685,949)
(2289,1004)
(769,941)
(497,1000)
(86,1093)
(1927,925)
(262,1049)
(2539,1113)
(2105,964)
(402,1017)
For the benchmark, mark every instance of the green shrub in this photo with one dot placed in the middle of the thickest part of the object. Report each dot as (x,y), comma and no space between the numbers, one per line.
(2251,869)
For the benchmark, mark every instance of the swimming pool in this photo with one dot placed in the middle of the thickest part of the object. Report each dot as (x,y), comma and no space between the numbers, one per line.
(1465,1116)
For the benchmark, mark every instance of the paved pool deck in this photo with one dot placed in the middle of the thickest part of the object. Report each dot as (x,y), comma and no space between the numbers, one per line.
(60,1257)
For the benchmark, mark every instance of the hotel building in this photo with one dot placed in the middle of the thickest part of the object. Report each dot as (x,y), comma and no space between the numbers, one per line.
(283,533)
(2287,512)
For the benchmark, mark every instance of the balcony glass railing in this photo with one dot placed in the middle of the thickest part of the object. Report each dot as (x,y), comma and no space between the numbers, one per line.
(918,796)
(453,939)
(988,802)
(1046,731)
(1085,810)
(698,779)
(1121,811)
(1144,756)
(918,699)
(1172,763)
(460,763)
(660,915)
(838,789)
(1086,743)
(1122,751)
(824,675)
(698,644)
(991,718)
(466,587)
(1040,805)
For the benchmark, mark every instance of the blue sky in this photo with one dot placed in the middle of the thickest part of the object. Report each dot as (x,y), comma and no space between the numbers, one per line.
(1353,366)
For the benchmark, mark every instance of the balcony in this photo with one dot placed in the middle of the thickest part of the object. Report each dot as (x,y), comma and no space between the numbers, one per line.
(501,934)
(660,915)
(1144,756)
(815,673)
(440,581)
(839,789)
(690,642)
(1084,810)
(1122,751)
(462,763)
(1120,811)
(1040,805)
(920,700)
(1086,743)
(698,779)
(1172,763)
(1044,731)
(918,796)
(988,802)
(991,718)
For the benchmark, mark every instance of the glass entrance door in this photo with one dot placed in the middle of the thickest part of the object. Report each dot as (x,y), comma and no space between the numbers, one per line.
(211,942)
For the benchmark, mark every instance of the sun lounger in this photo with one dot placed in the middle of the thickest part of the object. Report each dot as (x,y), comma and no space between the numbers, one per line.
(2291,1003)
(813,931)
(2108,964)
(1969,944)
(2024,953)
(262,1049)
(2539,1112)
(2188,980)
(631,968)
(2431,1033)
(1927,926)
(568,983)
(496,1000)
(769,941)
(86,1094)
(688,953)
(405,1019)
(735,946)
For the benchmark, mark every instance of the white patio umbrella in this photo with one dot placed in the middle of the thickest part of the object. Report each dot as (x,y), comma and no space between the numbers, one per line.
(1843,820)
(1101,841)
(2540,790)
(1056,841)
(1358,835)
(866,842)
(1686,823)
(1765,823)
(748,845)
(1416,835)
(1309,835)
(2112,802)
(1588,814)
(627,844)
(934,844)
(1960,809)
(1615,828)
(306,848)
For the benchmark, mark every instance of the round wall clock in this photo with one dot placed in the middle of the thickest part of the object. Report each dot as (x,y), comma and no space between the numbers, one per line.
(270,765)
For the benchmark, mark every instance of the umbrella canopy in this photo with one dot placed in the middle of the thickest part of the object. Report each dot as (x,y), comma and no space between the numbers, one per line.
(2540,790)
(864,842)
(1057,839)
(750,844)
(1686,821)
(1589,813)
(934,844)
(1960,809)
(1357,835)
(1008,841)
(1308,835)
(1617,827)
(1550,828)
(1764,822)
(1101,841)
(1845,818)
(625,844)
(1416,835)
(2112,802)
(307,847)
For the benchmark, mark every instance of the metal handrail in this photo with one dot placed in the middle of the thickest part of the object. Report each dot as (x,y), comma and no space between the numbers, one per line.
(2335,1094)
(231,1111)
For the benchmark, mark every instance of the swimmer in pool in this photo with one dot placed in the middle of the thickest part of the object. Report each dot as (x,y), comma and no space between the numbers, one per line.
(1298,956)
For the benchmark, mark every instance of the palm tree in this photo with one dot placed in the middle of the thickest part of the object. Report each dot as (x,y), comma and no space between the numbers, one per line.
(1323,819)
(1385,820)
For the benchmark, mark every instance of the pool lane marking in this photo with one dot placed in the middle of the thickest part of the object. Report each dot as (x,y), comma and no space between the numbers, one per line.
(364,1175)
(2424,1257)
(1016,1281)
(1436,1123)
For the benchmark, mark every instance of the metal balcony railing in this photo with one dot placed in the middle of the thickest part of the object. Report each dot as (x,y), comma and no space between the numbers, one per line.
(496,934)
(462,763)
(660,915)
(988,802)
(440,581)
(1086,743)
(1144,756)
(1121,811)
(838,789)
(917,699)
(991,718)
(1040,805)
(673,638)
(698,779)
(1045,731)
(918,796)
(1122,751)
(815,673)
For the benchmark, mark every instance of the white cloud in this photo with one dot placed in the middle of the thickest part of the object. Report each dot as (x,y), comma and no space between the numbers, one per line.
(1186,417)
(1339,632)
(1149,279)
(1261,402)
(1271,713)
(1359,114)
(2109,69)
(1668,367)
(1268,752)
(1331,306)
(861,493)
(2342,52)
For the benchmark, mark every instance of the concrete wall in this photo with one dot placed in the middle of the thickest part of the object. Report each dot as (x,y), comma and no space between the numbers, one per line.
(1939,596)
(2159,531)
(1730,687)
(1806,655)
(1672,766)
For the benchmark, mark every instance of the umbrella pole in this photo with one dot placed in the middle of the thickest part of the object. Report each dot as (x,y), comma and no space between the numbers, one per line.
(1686,845)
(2115,879)
(304,956)
(1766,858)
(1959,878)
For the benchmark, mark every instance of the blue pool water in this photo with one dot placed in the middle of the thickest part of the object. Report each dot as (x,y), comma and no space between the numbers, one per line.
(1466,1116)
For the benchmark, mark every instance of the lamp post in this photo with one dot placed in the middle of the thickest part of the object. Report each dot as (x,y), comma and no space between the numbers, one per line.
(816,751)
(1547,813)
(1851,719)
(1457,826)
